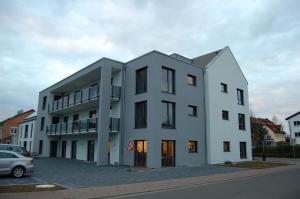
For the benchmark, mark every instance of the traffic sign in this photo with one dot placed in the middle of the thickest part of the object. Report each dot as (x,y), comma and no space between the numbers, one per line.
(130,146)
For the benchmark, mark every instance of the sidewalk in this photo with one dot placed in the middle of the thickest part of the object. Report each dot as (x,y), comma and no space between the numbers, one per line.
(109,191)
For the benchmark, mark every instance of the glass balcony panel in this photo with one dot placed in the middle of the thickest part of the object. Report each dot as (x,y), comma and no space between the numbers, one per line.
(83,125)
(69,127)
(116,92)
(94,91)
(65,101)
(114,124)
(71,99)
(75,125)
(64,127)
(85,94)
(55,105)
(77,97)
(59,103)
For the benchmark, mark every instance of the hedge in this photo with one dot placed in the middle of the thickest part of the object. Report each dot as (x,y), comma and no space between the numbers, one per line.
(278,151)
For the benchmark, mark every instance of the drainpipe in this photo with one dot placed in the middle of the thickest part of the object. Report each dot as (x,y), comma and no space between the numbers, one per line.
(121,142)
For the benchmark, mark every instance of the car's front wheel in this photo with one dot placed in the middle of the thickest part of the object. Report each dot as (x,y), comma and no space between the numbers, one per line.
(18,171)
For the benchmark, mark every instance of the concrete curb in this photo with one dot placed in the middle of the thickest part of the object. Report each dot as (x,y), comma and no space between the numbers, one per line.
(135,188)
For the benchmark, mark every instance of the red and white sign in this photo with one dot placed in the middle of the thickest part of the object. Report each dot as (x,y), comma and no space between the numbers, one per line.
(130,146)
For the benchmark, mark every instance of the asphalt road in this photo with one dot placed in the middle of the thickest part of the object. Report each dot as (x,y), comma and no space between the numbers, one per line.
(278,185)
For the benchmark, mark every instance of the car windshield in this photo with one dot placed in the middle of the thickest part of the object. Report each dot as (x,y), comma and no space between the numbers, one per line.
(18,149)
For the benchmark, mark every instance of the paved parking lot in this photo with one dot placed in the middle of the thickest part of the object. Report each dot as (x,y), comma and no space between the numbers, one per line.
(75,174)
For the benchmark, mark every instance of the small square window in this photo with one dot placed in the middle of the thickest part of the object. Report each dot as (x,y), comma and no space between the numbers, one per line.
(226,146)
(192,110)
(192,145)
(296,123)
(241,120)
(225,115)
(191,80)
(223,88)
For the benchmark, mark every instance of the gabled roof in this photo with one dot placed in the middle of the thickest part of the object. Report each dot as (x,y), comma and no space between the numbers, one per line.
(266,122)
(17,115)
(289,117)
(203,60)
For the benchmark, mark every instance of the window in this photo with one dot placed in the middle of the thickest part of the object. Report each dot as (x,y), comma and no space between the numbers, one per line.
(192,110)
(31,130)
(193,146)
(297,134)
(242,122)
(191,80)
(44,102)
(240,96)
(141,80)
(296,123)
(223,88)
(141,114)
(243,150)
(42,123)
(226,146)
(26,131)
(168,80)
(41,147)
(168,114)
(225,115)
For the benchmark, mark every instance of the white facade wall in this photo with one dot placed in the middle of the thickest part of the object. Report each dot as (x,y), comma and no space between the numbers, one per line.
(294,128)
(27,142)
(224,69)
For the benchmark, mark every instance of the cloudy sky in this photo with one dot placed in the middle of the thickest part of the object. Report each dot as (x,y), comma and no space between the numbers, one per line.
(42,42)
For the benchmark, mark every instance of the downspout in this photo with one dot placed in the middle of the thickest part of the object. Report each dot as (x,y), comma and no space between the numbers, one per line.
(121,150)
(205,126)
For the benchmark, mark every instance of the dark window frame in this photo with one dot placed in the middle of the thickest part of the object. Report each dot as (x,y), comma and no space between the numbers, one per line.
(195,143)
(42,123)
(44,103)
(173,105)
(193,80)
(242,121)
(226,149)
(240,96)
(194,110)
(139,81)
(173,91)
(140,123)
(225,115)
(224,88)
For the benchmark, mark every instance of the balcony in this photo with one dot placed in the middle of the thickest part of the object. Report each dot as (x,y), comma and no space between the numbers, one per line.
(114,125)
(75,127)
(115,93)
(75,99)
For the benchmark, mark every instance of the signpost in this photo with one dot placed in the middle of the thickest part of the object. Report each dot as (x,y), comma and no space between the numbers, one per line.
(130,148)
(293,143)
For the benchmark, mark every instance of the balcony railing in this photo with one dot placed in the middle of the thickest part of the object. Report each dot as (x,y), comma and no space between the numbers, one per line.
(80,126)
(114,125)
(72,99)
(116,92)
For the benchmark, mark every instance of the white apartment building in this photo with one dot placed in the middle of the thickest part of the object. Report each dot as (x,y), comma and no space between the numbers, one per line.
(294,127)
(27,132)
(177,111)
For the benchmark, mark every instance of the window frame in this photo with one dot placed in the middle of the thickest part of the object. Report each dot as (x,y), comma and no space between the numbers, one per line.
(240,97)
(242,126)
(224,144)
(44,103)
(195,142)
(173,80)
(42,123)
(173,105)
(227,113)
(137,82)
(194,110)
(193,78)
(223,85)
(144,124)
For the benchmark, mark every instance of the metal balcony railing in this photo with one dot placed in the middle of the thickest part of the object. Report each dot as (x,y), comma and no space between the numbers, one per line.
(80,126)
(114,125)
(75,98)
(116,92)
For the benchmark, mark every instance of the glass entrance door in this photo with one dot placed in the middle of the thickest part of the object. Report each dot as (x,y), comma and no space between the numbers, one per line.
(168,153)
(73,149)
(140,153)
(63,149)
(90,150)
(53,149)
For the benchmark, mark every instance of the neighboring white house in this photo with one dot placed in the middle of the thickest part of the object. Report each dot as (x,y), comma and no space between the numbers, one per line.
(27,132)
(294,126)
(177,111)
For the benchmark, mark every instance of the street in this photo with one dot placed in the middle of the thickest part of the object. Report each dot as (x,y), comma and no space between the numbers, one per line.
(277,185)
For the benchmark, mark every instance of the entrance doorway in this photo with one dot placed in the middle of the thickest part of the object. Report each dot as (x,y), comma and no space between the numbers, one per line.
(90,150)
(140,153)
(168,153)
(243,150)
(63,149)
(73,149)
(53,149)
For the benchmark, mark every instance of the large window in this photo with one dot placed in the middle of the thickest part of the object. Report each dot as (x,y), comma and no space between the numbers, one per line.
(42,123)
(226,146)
(191,80)
(193,146)
(44,102)
(168,80)
(141,114)
(242,125)
(225,115)
(168,114)
(240,96)
(192,110)
(141,80)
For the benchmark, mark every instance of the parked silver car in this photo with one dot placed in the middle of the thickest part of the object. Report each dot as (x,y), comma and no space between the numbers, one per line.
(15,148)
(15,164)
